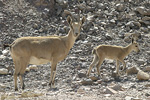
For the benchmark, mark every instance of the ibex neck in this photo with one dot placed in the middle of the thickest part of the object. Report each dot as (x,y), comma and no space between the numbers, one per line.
(70,39)
(128,49)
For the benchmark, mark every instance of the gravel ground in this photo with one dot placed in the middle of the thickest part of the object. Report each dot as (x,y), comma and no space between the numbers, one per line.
(107,22)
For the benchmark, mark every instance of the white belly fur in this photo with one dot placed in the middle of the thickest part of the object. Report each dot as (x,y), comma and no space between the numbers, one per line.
(37,61)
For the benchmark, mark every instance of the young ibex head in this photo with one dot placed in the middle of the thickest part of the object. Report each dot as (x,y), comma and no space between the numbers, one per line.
(135,46)
(75,26)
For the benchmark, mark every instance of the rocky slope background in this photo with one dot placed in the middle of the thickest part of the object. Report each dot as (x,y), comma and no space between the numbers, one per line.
(107,22)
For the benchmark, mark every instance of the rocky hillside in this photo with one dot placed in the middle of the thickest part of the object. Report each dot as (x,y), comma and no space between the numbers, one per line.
(111,22)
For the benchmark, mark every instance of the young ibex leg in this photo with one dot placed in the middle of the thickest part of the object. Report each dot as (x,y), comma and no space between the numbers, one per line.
(95,60)
(117,66)
(16,73)
(15,81)
(53,73)
(22,71)
(22,81)
(124,64)
(98,66)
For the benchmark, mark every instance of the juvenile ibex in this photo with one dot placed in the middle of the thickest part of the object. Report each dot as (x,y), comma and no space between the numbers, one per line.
(117,53)
(41,50)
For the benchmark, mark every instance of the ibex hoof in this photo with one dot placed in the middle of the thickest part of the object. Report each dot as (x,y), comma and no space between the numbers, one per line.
(23,87)
(52,85)
(16,89)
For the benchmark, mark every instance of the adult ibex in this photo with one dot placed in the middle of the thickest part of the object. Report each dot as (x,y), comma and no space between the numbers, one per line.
(117,53)
(42,50)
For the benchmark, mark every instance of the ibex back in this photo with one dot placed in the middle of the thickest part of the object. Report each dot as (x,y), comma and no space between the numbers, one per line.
(41,50)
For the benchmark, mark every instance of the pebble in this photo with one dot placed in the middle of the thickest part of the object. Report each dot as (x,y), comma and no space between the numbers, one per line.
(132,70)
(2,57)
(147,68)
(5,52)
(86,82)
(142,75)
(33,67)
(3,71)
(93,78)
(81,75)
(110,91)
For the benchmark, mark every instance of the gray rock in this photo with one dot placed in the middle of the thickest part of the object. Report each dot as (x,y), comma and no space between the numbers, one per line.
(5,52)
(3,71)
(94,78)
(81,75)
(87,82)
(142,75)
(146,69)
(110,91)
(2,57)
(141,61)
(143,11)
(120,7)
(132,70)
(117,87)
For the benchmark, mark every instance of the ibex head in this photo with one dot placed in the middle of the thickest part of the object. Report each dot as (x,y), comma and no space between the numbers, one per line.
(75,27)
(135,46)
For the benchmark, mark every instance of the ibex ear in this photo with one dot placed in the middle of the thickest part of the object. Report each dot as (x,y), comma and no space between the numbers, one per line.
(132,39)
(82,20)
(69,20)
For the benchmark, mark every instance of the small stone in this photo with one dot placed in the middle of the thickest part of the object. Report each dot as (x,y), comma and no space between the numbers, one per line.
(27,69)
(30,94)
(87,82)
(2,3)
(33,67)
(5,52)
(142,75)
(147,68)
(81,75)
(108,36)
(140,10)
(110,61)
(137,24)
(94,78)
(141,61)
(128,98)
(114,74)
(147,94)
(80,91)
(2,86)
(2,90)
(99,81)
(44,83)
(107,95)
(137,99)
(3,71)
(143,11)
(105,78)
(2,57)
(120,7)
(132,70)
(110,91)
(147,85)
(128,36)
(117,87)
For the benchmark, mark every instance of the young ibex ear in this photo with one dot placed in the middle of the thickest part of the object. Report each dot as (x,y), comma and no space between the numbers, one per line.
(132,39)
(69,20)
(82,20)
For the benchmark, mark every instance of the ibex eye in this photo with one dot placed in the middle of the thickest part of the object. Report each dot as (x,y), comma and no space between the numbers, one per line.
(136,46)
